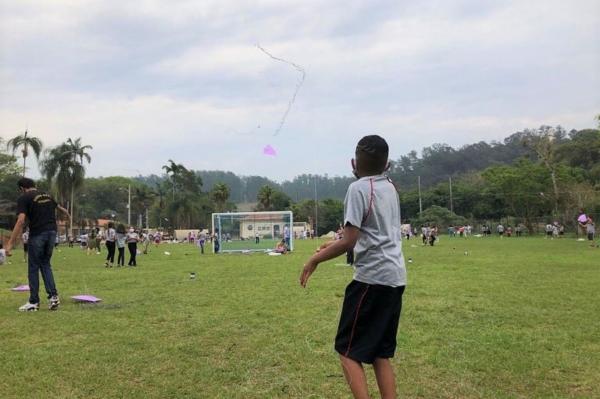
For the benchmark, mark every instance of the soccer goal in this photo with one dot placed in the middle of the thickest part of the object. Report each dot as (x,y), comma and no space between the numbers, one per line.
(252,231)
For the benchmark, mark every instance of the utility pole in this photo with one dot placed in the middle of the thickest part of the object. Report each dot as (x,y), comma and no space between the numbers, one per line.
(129,205)
(316,207)
(420,202)
(451,204)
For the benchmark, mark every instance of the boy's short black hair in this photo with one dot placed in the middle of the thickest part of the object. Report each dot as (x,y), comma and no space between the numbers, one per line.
(25,182)
(373,152)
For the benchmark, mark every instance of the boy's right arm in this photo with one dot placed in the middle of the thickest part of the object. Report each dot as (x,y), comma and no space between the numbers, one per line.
(330,250)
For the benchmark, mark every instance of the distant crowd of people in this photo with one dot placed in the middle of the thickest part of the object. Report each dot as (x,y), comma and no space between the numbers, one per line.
(115,238)
(430,233)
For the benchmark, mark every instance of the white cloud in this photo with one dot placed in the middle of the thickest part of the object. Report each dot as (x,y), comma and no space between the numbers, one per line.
(150,80)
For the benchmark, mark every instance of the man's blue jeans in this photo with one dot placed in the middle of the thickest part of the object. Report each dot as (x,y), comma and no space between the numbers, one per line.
(40,251)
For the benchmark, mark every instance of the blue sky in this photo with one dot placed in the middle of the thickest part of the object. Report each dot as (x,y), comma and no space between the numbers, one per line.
(145,81)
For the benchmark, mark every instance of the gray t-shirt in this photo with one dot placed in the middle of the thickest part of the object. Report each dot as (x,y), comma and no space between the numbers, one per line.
(371,204)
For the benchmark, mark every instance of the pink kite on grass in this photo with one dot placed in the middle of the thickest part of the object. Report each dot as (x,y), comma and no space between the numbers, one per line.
(20,288)
(86,298)
(268,150)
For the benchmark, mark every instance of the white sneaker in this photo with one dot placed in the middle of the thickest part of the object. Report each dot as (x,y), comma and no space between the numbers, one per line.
(29,307)
(54,302)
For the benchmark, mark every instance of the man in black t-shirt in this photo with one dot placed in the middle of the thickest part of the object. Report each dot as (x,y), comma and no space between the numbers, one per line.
(39,209)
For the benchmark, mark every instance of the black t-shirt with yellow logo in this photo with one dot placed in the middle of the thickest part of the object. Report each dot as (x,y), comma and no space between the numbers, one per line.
(40,209)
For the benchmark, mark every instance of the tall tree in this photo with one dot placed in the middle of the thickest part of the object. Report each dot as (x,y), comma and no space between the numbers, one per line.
(173,170)
(144,197)
(64,168)
(160,192)
(9,174)
(265,198)
(521,189)
(25,142)
(543,142)
(220,195)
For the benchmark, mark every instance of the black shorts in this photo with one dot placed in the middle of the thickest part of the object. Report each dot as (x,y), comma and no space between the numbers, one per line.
(369,322)
(25,247)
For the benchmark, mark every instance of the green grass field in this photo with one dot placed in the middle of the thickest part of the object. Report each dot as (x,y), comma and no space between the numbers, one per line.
(515,318)
(264,244)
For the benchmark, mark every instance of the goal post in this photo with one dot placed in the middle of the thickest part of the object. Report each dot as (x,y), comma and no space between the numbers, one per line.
(252,231)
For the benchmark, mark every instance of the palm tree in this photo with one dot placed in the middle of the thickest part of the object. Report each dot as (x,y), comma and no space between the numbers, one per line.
(160,192)
(144,196)
(220,195)
(26,142)
(79,154)
(184,209)
(173,170)
(265,197)
(63,168)
(56,168)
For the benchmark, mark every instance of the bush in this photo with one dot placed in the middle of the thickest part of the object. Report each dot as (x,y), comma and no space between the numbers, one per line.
(439,216)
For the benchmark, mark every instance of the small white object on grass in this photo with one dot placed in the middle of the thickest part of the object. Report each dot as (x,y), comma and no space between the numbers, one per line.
(466,252)
(167,253)
(274,253)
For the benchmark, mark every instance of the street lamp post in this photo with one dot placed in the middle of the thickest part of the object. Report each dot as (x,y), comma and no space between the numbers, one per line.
(129,205)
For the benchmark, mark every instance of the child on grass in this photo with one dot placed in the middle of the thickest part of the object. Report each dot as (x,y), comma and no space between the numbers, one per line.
(373,300)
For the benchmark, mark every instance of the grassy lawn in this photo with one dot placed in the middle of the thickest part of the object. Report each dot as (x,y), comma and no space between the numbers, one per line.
(237,245)
(514,318)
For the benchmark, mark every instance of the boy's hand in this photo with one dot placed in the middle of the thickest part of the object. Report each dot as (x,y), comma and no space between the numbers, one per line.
(8,248)
(309,268)
(325,245)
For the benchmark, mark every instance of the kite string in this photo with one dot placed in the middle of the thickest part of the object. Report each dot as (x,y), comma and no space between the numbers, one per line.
(298,85)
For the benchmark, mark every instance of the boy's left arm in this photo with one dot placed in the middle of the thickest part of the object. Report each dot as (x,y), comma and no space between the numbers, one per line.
(334,250)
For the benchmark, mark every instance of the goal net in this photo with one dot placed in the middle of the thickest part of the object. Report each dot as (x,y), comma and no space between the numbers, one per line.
(252,231)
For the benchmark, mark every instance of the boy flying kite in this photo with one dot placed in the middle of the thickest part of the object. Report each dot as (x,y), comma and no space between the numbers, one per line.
(373,300)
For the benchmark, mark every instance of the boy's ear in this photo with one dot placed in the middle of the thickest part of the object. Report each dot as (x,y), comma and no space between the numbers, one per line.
(354,171)
(388,166)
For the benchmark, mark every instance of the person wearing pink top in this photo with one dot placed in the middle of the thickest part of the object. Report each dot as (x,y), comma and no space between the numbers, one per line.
(582,220)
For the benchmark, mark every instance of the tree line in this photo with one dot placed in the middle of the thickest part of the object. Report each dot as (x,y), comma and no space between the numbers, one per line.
(537,173)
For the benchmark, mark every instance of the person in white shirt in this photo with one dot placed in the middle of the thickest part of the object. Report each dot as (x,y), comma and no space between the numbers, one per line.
(111,237)
(2,254)
(84,241)
(132,240)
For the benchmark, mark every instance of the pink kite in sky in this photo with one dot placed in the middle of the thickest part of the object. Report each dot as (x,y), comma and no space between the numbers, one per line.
(20,288)
(86,298)
(268,150)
